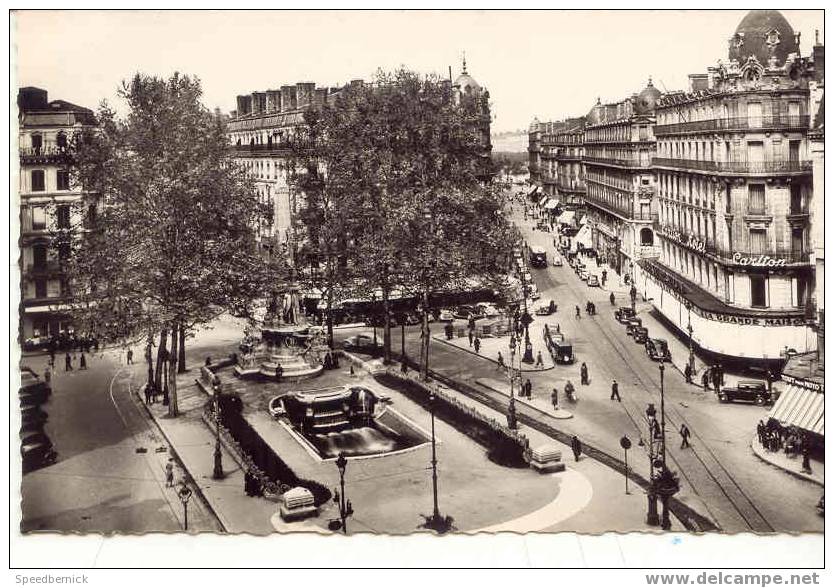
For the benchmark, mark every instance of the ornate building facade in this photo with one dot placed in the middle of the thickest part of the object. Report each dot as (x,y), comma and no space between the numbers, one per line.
(735,187)
(52,208)
(619,145)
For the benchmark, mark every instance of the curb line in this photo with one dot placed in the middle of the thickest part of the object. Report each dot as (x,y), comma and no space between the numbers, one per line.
(215,514)
(800,475)
(532,371)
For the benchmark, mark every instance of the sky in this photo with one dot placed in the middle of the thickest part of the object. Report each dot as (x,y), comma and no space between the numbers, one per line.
(545,64)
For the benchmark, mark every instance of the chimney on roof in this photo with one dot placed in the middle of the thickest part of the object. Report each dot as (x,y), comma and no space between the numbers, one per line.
(288,100)
(321,96)
(244,105)
(304,92)
(31,99)
(273,101)
(698,82)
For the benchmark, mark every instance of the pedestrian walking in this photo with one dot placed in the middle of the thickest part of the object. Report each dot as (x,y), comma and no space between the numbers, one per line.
(148,394)
(68,363)
(47,375)
(129,356)
(576,446)
(806,457)
(169,474)
(569,391)
(471,336)
(554,398)
(684,435)
(583,374)
(578,312)
(705,380)
(604,274)
(760,433)
(539,361)
(82,364)
(52,355)
(279,372)
(477,344)
(687,373)
(528,388)
(611,298)
(501,365)
(615,391)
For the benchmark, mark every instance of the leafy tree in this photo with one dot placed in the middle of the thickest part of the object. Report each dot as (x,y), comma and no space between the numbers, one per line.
(173,244)
(392,171)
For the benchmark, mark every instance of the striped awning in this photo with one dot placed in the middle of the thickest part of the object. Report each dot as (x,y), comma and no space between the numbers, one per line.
(801,408)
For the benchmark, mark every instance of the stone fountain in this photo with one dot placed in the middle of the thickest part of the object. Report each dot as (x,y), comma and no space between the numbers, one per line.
(283,343)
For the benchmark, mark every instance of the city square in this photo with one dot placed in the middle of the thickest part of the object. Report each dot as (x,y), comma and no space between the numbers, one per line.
(340,309)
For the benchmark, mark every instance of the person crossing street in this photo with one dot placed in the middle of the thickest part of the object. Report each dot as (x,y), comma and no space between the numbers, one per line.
(615,391)
(583,374)
(684,432)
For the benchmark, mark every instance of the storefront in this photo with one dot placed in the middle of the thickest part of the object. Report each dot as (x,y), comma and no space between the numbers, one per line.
(719,328)
(801,405)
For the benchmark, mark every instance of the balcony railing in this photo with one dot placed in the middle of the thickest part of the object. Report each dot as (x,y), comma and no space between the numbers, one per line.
(736,167)
(741,123)
(631,163)
(564,156)
(571,186)
(623,212)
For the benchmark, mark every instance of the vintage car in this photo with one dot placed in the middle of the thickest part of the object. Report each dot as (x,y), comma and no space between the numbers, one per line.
(640,335)
(546,307)
(538,256)
(33,415)
(658,349)
(362,341)
(747,391)
(561,351)
(276,407)
(624,313)
(488,309)
(445,315)
(593,280)
(36,451)
(533,292)
(584,274)
(632,324)
(557,261)
(466,311)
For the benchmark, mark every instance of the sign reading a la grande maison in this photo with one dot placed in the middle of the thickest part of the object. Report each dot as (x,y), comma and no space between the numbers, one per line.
(718,317)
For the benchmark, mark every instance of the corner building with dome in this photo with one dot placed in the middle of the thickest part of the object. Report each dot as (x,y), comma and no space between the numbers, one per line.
(734,197)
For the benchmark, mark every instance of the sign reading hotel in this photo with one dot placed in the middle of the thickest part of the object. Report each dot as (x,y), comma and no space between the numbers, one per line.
(690,241)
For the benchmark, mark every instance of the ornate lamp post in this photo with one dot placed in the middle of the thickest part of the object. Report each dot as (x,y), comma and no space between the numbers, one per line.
(184,494)
(217,474)
(663,482)
(345,507)
(526,319)
(436,521)
(689,330)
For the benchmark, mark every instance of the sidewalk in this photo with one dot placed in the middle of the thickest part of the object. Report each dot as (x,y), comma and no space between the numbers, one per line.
(792,465)
(539,403)
(194,444)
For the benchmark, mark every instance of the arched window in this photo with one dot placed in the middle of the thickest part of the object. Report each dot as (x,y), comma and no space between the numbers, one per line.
(646,236)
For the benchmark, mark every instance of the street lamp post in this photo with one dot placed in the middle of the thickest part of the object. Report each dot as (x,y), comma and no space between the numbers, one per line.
(689,330)
(184,494)
(345,507)
(663,482)
(436,521)
(217,474)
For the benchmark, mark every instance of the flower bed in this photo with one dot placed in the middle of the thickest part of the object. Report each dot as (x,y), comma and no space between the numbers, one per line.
(505,446)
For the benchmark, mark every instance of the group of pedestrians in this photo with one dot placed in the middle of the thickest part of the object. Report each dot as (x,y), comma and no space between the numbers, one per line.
(774,437)
(68,361)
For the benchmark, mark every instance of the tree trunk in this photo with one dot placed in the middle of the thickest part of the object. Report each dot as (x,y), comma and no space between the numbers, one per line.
(160,357)
(181,351)
(386,333)
(173,410)
(149,359)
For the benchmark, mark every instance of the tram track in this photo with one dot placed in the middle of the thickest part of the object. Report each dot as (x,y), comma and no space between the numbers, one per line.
(747,514)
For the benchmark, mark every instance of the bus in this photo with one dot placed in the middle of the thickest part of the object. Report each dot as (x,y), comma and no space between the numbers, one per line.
(538,257)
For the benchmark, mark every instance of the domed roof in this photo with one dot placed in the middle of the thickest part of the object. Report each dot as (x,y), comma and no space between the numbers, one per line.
(593,117)
(647,99)
(763,33)
(465,82)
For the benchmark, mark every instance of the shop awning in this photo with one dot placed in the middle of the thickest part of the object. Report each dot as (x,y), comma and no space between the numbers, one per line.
(551,204)
(567,217)
(801,408)
(584,237)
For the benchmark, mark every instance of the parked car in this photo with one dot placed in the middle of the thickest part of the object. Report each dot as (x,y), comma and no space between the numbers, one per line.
(362,341)
(37,451)
(488,309)
(276,407)
(466,311)
(445,315)
(534,292)
(640,334)
(33,415)
(624,313)
(584,275)
(658,349)
(557,261)
(747,391)
(593,280)
(546,307)
(632,324)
